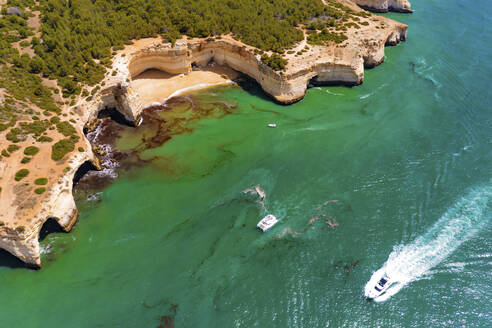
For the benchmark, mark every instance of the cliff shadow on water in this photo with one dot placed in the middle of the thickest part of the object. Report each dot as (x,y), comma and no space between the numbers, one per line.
(10,261)
(459,223)
(119,146)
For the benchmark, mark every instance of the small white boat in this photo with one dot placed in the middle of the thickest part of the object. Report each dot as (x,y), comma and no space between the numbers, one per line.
(379,288)
(272,125)
(267,222)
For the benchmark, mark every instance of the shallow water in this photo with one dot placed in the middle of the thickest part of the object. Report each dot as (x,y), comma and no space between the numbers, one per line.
(351,173)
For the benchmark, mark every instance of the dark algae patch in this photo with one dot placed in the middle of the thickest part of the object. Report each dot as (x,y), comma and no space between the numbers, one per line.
(167,321)
(121,147)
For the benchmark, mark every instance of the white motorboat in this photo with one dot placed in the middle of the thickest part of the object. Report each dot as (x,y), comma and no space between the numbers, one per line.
(267,222)
(377,287)
(272,125)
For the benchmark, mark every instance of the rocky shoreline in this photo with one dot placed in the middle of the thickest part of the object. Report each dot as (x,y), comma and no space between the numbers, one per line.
(336,64)
(402,6)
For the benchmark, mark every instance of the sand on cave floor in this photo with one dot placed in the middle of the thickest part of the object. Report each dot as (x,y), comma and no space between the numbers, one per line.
(157,86)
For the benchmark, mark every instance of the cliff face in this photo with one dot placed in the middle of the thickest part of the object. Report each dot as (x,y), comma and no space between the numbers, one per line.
(336,64)
(342,63)
(383,6)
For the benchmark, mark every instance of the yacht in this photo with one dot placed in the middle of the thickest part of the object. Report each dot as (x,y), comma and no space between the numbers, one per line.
(379,288)
(267,222)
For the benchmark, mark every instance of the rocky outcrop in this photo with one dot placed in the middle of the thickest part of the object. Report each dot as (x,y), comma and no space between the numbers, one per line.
(383,6)
(58,203)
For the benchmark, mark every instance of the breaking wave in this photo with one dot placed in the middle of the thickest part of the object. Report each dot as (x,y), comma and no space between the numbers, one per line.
(458,224)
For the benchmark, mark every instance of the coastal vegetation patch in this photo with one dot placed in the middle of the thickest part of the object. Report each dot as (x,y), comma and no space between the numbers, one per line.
(22,173)
(275,61)
(13,148)
(31,150)
(41,181)
(44,139)
(39,191)
(25,160)
(61,148)
(65,128)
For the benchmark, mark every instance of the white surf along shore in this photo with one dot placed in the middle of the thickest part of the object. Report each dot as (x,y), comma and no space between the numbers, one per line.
(186,90)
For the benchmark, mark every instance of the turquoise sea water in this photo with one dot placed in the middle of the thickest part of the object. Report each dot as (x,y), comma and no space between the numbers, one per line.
(400,168)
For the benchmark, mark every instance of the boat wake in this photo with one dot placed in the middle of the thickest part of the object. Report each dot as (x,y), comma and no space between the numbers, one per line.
(459,223)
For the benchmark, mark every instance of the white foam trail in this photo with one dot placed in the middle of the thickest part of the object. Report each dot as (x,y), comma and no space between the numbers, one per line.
(458,224)
(333,93)
(366,96)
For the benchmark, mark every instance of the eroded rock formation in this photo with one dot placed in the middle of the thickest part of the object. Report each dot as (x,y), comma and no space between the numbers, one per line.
(383,6)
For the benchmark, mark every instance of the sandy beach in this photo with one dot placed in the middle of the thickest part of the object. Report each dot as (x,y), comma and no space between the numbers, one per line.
(155,86)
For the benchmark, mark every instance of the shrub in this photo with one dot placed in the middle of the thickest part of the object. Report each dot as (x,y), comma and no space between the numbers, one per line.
(12,148)
(5,153)
(65,128)
(20,229)
(22,173)
(31,150)
(81,149)
(326,37)
(25,160)
(61,148)
(275,61)
(37,127)
(13,135)
(54,120)
(41,181)
(44,139)
(39,191)
(95,90)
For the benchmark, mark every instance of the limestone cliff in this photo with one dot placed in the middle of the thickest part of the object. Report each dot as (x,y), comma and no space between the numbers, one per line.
(383,6)
(336,64)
